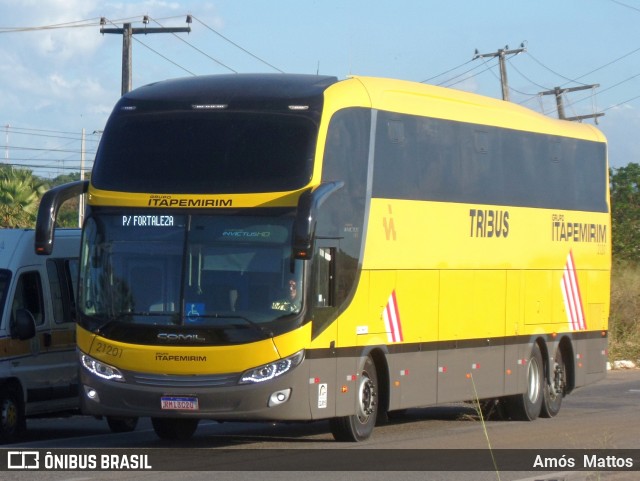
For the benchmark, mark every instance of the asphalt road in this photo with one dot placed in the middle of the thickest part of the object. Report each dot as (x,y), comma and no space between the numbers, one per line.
(603,416)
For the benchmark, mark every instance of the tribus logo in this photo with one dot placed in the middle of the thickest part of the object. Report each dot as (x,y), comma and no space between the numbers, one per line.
(23,460)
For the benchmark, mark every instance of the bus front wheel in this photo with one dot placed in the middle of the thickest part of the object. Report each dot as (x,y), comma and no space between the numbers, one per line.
(174,429)
(527,406)
(359,426)
(119,424)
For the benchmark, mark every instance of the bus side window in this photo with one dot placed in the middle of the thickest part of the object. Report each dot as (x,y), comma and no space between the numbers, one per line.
(324,295)
(61,273)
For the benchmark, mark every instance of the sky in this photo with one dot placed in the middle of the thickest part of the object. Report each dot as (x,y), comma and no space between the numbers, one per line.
(59,75)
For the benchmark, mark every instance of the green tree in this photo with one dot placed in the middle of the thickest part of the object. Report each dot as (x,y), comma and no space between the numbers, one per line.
(68,213)
(20,193)
(625,213)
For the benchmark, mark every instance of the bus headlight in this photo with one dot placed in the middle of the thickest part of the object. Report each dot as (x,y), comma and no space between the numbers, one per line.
(100,369)
(272,370)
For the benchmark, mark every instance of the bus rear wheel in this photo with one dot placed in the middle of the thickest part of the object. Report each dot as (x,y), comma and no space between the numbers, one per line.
(527,406)
(174,429)
(359,426)
(555,387)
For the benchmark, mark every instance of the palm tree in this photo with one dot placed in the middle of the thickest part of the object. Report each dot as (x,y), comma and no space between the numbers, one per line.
(20,193)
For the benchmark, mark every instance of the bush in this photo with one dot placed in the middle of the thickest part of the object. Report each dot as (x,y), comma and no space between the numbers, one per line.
(624,325)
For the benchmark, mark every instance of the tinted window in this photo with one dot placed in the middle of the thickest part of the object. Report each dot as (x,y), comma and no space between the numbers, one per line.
(431,159)
(62,275)
(342,217)
(205,152)
(28,296)
(5,277)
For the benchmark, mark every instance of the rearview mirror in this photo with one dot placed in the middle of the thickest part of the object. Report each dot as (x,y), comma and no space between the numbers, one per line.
(304,226)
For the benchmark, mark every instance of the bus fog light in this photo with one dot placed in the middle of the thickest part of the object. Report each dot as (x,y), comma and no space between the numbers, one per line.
(279,397)
(91,394)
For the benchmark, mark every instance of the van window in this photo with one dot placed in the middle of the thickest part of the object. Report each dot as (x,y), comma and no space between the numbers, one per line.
(62,275)
(5,278)
(28,296)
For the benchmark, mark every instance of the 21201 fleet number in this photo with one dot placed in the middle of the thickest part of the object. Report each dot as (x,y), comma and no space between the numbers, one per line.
(108,349)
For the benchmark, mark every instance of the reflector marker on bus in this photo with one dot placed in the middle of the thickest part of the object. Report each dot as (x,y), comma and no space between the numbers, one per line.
(391,316)
(571,295)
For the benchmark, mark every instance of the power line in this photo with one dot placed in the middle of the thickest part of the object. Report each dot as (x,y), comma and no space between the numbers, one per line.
(621,103)
(200,51)
(75,24)
(41,149)
(446,72)
(550,70)
(13,132)
(625,5)
(235,44)
(447,84)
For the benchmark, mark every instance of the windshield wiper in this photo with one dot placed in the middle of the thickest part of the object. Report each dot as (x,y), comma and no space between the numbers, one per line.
(254,325)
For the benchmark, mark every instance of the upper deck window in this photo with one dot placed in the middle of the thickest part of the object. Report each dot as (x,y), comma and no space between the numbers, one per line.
(205,152)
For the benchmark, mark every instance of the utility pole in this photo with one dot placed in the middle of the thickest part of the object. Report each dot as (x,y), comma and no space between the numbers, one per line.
(127,32)
(501,54)
(81,199)
(558,92)
(6,142)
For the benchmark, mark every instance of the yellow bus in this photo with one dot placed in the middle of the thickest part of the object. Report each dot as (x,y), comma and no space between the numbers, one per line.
(297,247)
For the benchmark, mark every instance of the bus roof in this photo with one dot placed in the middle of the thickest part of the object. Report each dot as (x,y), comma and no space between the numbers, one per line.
(278,91)
(237,91)
(445,103)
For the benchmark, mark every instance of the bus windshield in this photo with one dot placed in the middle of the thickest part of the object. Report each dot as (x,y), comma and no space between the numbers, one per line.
(199,272)
(205,152)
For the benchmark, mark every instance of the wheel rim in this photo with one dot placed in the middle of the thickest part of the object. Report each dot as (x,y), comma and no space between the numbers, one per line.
(9,416)
(558,381)
(534,381)
(366,398)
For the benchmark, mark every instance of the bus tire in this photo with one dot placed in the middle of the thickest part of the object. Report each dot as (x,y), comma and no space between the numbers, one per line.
(359,426)
(119,424)
(528,405)
(554,387)
(174,429)
(12,420)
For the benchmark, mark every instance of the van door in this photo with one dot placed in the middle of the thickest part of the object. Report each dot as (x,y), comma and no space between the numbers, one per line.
(46,363)
(61,349)
(27,365)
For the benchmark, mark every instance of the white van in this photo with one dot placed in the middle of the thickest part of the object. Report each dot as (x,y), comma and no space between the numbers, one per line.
(38,363)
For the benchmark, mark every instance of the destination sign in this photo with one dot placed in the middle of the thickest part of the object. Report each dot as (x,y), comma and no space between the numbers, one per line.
(147,221)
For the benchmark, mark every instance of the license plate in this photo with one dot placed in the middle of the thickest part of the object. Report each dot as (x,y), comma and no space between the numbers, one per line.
(179,403)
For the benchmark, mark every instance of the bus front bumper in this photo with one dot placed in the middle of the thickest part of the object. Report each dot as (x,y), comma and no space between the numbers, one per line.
(283,398)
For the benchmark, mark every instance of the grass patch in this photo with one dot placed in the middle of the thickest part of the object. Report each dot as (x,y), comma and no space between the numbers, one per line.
(624,318)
